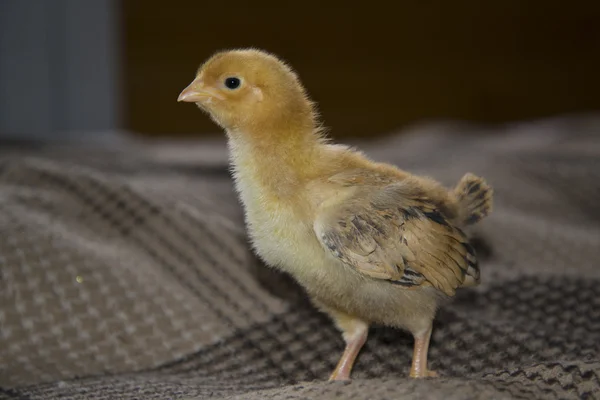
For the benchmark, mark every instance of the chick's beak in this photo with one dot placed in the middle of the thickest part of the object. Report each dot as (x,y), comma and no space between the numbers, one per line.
(196,91)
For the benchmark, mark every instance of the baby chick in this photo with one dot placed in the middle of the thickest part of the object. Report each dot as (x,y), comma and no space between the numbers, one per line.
(370,243)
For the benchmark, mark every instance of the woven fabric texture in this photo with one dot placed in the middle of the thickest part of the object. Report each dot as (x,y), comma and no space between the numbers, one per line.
(125,274)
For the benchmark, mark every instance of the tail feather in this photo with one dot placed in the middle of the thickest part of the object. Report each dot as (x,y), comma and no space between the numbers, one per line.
(474,197)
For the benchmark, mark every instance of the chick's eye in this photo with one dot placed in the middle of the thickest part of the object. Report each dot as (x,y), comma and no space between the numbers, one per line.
(232,83)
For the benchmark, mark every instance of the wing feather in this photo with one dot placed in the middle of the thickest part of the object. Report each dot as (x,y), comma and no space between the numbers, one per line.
(395,234)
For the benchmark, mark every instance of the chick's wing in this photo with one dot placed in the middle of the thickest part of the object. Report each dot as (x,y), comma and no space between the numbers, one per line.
(395,233)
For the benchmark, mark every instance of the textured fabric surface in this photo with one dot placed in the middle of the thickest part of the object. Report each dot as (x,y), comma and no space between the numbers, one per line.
(125,274)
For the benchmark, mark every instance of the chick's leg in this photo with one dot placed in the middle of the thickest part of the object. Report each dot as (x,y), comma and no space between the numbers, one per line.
(355,334)
(419,361)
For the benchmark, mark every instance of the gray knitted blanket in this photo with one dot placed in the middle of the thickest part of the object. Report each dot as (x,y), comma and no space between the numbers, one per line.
(125,274)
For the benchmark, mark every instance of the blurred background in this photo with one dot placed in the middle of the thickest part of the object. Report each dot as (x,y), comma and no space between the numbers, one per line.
(75,68)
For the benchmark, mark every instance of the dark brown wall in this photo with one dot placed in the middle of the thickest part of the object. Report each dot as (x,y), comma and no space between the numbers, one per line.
(371,67)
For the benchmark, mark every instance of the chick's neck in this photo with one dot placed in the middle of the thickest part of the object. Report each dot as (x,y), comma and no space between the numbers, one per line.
(278,160)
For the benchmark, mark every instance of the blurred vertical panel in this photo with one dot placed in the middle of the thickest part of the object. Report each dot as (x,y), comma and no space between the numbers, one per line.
(59,68)
(374,66)
(92,63)
(25,81)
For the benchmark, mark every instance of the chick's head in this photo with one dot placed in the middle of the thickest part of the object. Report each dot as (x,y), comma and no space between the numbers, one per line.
(244,90)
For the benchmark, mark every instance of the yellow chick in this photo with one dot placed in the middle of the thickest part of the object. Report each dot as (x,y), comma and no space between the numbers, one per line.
(370,243)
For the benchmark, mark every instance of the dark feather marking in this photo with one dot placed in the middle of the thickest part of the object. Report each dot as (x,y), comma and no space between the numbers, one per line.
(403,283)
(473,262)
(436,216)
(358,225)
(481,195)
(409,212)
(330,242)
(410,278)
(474,187)
(481,204)
(469,248)
(378,228)
(411,272)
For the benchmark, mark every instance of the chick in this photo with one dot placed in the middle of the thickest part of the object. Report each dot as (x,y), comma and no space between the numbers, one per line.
(370,243)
